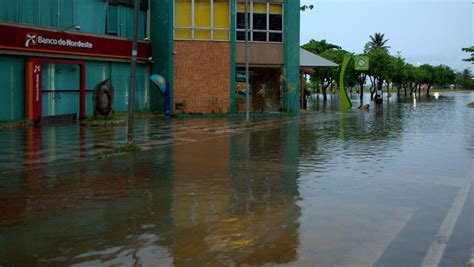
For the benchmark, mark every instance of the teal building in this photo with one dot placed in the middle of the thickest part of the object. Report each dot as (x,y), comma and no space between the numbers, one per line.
(54,52)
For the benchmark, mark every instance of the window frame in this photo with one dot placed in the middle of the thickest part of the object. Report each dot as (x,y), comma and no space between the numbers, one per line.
(193,28)
(267,31)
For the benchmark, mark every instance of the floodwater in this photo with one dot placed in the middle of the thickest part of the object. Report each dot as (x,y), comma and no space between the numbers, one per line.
(389,187)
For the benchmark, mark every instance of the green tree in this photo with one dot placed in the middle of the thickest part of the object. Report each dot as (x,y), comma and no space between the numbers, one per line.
(378,41)
(442,76)
(427,77)
(471,51)
(397,76)
(408,78)
(464,79)
(318,47)
(328,76)
(379,66)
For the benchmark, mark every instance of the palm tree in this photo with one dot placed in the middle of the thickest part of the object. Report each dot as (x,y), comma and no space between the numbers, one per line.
(377,41)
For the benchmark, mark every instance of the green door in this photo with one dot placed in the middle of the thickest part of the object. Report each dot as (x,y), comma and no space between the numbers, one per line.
(60,90)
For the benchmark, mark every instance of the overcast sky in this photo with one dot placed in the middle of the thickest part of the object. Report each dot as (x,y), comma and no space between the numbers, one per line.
(424,31)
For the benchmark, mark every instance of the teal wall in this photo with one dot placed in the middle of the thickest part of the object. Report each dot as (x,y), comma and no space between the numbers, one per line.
(291,55)
(12,88)
(233,104)
(91,15)
(66,77)
(120,73)
(161,32)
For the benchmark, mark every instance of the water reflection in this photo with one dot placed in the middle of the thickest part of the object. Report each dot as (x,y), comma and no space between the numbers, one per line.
(329,188)
(223,201)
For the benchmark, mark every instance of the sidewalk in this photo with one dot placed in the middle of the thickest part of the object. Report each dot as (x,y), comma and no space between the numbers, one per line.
(35,146)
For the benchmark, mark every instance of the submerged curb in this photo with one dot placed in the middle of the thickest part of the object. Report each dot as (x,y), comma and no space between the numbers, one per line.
(15,124)
(102,123)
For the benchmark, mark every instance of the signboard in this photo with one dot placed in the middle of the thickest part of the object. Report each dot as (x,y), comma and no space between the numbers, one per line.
(361,63)
(38,40)
(240,76)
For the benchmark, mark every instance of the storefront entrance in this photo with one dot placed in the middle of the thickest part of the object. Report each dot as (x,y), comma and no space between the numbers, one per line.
(55,89)
(265,93)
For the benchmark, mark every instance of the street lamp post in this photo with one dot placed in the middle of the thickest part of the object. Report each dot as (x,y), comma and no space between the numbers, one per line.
(247,86)
(133,72)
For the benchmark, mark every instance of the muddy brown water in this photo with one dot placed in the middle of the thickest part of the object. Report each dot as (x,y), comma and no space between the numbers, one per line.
(330,188)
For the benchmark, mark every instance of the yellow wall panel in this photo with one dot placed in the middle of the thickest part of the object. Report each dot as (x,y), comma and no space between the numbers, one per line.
(221,14)
(183,34)
(241,7)
(183,13)
(221,35)
(202,34)
(259,8)
(276,9)
(202,13)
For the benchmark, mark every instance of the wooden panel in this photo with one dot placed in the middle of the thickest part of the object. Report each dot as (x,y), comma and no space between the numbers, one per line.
(261,53)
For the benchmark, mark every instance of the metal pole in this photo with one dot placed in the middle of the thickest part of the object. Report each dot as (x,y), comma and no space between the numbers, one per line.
(247,91)
(133,72)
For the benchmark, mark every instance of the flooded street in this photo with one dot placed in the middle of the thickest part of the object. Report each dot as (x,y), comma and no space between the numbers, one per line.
(387,187)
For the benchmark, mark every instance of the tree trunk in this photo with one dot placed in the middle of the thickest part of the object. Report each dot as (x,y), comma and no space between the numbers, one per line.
(398,91)
(428,90)
(372,87)
(405,89)
(388,89)
(325,96)
(361,93)
(379,85)
(413,88)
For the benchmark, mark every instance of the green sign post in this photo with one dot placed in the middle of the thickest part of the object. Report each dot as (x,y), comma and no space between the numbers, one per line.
(361,63)
(345,101)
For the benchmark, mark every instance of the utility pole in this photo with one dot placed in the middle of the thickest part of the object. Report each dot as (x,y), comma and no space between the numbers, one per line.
(247,80)
(133,72)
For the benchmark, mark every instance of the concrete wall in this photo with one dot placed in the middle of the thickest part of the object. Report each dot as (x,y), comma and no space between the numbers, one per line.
(202,76)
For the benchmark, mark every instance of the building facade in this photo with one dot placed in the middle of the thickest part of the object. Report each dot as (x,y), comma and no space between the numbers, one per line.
(54,52)
(205,58)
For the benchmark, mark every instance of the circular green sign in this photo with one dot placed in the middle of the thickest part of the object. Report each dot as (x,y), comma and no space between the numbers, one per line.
(361,63)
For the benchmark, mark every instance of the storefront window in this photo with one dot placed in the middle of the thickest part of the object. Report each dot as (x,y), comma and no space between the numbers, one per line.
(202,20)
(265,22)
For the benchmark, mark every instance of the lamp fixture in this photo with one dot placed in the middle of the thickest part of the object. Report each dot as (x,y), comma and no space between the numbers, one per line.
(75,26)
